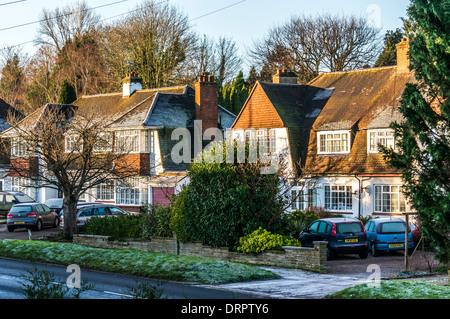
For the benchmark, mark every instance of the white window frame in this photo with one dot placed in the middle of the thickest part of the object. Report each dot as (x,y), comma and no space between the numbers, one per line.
(381,137)
(267,140)
(128,141)
(129,192)
(106,191)
(330,136)
(338,197)
(18,147)
(24,185)
(388,199)
(69,141)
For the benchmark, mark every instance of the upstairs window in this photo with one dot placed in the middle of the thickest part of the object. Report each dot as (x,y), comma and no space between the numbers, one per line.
(18,147)
(334,142)
(383,137)
(127,141)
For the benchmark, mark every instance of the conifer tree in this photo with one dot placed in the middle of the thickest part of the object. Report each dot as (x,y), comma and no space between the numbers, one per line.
(423,137)
(67,94)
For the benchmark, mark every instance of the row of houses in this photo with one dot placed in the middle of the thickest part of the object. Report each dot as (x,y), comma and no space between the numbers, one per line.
(329,129)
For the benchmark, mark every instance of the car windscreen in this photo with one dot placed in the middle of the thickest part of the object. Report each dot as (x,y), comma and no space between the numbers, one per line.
(350,227)
(392,228)
(24,198)
(16,209)
(57,202)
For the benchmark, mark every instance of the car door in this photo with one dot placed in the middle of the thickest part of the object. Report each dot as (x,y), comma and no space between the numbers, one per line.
(309,235)
(41,214)
(370,231)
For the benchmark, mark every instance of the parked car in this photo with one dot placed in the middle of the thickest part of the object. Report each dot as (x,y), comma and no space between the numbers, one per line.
(387,234)
(88,210)
(31,215)
(57,204)
(8,199)
(344,236)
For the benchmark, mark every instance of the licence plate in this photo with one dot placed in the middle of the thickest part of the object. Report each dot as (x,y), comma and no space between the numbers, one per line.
(395,245)
(15,223)
(351,240)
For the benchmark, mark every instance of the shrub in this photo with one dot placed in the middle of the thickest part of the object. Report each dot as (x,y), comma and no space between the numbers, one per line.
(177,219)
(118,227)
(261,240)
(153,221)
(156,221)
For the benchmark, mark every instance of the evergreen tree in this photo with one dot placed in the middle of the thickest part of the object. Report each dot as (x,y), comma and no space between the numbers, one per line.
(67,94)
(423,154)
(389,54)
(234,96)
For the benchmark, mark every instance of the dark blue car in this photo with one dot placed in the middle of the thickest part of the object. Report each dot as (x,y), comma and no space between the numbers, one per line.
(344,236)
(387,234)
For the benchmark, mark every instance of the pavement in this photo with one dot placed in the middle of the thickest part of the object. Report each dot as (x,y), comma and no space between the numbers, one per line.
(295,284)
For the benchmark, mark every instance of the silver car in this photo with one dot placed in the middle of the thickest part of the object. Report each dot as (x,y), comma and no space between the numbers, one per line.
(31,215)
(89,210)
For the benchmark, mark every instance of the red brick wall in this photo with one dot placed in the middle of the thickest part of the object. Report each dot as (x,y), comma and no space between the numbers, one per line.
(206,102)
(138,163)
(24,166)
(258,113)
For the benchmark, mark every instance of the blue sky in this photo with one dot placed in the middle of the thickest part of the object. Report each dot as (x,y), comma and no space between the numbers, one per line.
(244,20)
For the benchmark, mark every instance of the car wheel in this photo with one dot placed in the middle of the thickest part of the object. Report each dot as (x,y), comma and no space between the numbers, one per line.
(373,250)
(330,253)
(10,229)
(56,222)
(38,225)
(364,254)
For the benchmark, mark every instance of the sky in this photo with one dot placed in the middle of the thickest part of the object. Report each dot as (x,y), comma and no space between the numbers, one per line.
(246,21)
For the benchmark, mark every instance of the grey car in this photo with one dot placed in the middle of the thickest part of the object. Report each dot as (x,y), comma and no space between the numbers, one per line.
(87,210)
(31,215)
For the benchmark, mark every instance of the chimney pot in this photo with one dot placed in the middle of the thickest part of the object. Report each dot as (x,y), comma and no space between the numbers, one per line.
(131,83)
(283,76)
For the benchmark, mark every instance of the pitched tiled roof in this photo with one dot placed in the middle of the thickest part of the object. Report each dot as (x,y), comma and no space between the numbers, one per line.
(361,100)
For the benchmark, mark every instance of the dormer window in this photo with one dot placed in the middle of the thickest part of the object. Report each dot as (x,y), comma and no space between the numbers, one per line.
(378,137)
(333,142)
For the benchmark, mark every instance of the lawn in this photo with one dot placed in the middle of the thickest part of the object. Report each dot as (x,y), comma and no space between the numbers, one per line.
(136,263)
(395,289)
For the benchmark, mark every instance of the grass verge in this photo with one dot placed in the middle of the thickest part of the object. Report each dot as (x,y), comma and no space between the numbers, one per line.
(395,289)
(135,263)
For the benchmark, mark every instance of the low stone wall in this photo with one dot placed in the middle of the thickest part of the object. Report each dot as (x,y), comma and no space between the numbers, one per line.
(313,259)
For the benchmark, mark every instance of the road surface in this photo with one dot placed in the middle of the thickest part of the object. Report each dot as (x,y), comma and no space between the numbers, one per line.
(107,285)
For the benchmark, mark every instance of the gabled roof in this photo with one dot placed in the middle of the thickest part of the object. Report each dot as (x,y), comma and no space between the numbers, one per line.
(6,110)
(354,100)
(361,100)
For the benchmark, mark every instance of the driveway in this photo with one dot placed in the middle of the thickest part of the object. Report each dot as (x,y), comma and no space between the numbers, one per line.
(22,233)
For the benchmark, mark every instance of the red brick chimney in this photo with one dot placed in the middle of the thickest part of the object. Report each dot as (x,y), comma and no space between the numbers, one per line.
(206,101)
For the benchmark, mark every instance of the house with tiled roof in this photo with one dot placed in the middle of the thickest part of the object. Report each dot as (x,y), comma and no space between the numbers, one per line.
(143,120)
(6,110)
(331,129)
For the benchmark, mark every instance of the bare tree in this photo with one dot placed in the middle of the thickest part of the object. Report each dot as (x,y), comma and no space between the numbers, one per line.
(228,61)
(66,150)
(309,45)
(155,37)
(62,25)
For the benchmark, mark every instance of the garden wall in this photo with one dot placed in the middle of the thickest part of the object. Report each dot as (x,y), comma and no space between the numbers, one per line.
(313,259)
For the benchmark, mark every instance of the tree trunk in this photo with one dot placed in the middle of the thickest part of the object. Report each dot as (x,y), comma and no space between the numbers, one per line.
(70,216)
